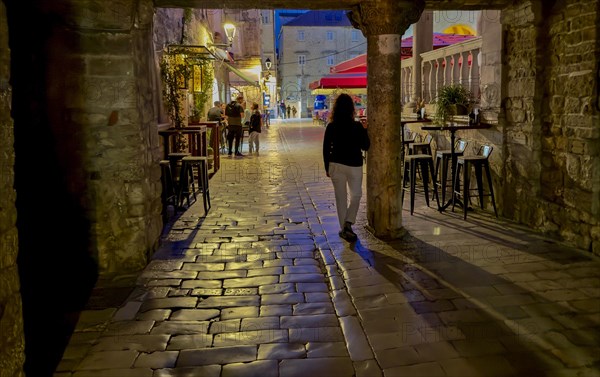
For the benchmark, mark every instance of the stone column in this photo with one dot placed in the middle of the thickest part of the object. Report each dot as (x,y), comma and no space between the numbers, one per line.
(491,60)
(12,342)
(422,42)
(383,23)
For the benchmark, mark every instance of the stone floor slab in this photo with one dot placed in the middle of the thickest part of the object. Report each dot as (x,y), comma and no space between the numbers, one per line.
(481,296)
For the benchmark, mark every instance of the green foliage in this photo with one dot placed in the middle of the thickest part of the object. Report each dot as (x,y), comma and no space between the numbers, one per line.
(174,75)
(204,95)
(448,98)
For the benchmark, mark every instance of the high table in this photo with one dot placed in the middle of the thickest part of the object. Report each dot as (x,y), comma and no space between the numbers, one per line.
(196,138)
(453,128)
(214,139)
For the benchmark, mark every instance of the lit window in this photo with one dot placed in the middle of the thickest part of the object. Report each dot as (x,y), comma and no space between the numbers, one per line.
(330,60)
(329,36)
(301,59)
(300,35)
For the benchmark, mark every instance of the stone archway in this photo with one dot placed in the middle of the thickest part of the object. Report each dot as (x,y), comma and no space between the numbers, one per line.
(85,144)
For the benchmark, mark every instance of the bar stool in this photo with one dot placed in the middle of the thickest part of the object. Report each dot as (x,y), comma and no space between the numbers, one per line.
(168,195)
(425,163)
(423,147)
(409,138)
(188,179)
(175,161)
(480,162)
(442,157)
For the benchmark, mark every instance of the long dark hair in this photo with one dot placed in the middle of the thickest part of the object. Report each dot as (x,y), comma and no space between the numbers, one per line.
(343,109)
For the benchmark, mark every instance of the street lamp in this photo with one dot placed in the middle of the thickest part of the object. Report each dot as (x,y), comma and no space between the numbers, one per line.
(229,32)
(268,64)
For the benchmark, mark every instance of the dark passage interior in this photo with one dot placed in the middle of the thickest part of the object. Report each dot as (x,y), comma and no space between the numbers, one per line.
(56,271)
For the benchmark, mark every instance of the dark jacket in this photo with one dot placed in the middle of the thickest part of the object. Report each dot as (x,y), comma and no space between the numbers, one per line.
(235,115)
(214,114)
(255,122)
(344,143)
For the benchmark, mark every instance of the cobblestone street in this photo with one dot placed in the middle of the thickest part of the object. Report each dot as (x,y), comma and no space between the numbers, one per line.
(264,286)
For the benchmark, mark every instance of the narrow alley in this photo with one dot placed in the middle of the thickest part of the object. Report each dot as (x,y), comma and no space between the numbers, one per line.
(264,286)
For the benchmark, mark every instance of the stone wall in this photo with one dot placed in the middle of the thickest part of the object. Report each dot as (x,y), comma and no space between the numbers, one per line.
(11,323)
(114,153)
(553,132)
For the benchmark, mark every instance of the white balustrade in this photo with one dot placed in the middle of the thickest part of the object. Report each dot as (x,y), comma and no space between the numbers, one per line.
(455,64)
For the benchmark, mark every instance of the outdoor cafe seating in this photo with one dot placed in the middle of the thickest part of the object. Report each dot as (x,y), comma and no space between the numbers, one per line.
(480,163)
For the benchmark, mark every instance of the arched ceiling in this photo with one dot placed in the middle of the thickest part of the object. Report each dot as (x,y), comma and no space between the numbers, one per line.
(324,4)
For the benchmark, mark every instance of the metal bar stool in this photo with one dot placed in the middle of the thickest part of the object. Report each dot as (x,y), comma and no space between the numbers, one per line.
(425,163)
(479,162)
(443,157)
(423,147)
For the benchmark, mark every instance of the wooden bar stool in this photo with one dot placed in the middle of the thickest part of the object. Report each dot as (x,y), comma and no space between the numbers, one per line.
(443,157)
(479,162)
(175,161)
(194,169)
(168,195)
(425,164)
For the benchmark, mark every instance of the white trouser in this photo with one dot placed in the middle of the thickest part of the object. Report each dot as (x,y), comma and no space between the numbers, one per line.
(253,140)
(346,180)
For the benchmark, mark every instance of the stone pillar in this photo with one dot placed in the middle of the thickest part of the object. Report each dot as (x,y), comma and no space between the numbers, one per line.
(383,23)
(522,94)
(12,342)
(491,60)
(422,42)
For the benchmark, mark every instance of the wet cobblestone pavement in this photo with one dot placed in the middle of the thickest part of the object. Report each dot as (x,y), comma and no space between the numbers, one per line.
(264,286)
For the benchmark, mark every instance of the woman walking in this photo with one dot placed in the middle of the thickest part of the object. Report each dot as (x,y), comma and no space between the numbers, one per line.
(344,141)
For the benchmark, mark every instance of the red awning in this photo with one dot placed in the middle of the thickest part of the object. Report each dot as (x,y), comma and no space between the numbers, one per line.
(357,64)
(340,80)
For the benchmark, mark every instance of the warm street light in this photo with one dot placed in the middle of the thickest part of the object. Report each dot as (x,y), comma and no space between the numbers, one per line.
(268,64)
(229,32)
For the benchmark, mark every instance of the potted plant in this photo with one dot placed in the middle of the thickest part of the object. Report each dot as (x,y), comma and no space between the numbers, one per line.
(451,100)
(174,75)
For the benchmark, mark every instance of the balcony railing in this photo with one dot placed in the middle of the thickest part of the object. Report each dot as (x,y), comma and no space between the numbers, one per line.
(444,66)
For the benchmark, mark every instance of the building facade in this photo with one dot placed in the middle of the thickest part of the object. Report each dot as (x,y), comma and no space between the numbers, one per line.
(268,60)
(309,45)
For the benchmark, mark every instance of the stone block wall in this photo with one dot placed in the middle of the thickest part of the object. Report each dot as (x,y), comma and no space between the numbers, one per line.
(12,342)
(106,124)
(522,105)
(552,119)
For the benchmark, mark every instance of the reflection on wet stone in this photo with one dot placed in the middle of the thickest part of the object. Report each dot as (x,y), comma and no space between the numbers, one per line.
(260,285)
